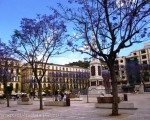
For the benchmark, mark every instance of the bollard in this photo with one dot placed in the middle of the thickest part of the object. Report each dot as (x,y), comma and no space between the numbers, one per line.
(125,97)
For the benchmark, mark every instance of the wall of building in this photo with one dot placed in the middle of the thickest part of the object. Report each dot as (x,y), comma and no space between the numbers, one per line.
(10,74)
(57,77)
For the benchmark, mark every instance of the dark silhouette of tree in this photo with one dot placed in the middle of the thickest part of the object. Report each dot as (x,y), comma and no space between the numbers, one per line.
(144,74)
(84,64)
(114,24)
(5,75)
(37,41)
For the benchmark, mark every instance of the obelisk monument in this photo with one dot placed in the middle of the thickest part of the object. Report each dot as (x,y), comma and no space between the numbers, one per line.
(96,86)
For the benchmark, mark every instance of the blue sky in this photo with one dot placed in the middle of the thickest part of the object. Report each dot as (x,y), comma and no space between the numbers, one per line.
(12,11)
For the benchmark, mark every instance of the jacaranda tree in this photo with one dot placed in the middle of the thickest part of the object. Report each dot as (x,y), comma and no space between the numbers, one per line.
(114,24)
(37,41)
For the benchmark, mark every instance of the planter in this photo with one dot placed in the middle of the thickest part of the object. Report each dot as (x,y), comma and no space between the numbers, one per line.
(24,99)
(106,99)
(2,101)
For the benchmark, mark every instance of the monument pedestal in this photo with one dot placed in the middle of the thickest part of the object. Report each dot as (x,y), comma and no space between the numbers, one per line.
(96,90)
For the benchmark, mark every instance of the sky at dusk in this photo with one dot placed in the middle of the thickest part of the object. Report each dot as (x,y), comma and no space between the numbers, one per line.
(12,11)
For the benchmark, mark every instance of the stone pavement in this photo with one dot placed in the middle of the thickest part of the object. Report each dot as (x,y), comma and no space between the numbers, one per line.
(79,110)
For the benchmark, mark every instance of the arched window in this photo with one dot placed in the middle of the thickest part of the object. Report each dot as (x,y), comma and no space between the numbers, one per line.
(49,87)
(17,86)
(92,70)
(99,70)
(57,86)
(35,85)
(44,86)
(11,85)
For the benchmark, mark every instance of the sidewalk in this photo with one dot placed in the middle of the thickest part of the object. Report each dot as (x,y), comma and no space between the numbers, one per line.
(79,110)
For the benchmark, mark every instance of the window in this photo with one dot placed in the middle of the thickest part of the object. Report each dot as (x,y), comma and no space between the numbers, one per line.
(35,85)
(92,70)
(134,53)
(48,79)
(49,87)
(12,70)
(144,62)
(17,71)
(44,79)
(18,78)
(17,86)
(121,61)
(44,86)
(123,77)
(99,70)
(93,83)
(143,56)
(143,51)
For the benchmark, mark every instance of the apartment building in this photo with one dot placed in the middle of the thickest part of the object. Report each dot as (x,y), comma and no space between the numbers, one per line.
(143,55)
(57,77)
(10,74)
(133,69)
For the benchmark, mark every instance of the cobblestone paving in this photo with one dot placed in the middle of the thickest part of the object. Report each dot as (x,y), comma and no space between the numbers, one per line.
(79,110)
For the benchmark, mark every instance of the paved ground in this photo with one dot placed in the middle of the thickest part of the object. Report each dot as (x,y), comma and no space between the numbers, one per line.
(79,110)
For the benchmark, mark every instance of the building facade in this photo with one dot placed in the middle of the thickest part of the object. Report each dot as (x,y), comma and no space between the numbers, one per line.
(57,77)
(134,69)
(10,74)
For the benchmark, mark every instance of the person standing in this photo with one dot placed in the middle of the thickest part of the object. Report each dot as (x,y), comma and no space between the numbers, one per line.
(56,95)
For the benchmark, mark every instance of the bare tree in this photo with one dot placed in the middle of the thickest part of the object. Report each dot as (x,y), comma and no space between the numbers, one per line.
(37,41)
(114,24)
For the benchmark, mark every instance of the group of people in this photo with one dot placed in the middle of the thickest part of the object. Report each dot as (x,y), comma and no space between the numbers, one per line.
(60,96)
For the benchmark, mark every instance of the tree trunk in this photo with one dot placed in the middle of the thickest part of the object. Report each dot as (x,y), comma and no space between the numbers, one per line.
(7,97)
(40,96)
(114,91)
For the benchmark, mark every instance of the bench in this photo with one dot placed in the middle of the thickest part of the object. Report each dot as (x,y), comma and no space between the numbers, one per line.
(106,99)
(121,105)
(55,103)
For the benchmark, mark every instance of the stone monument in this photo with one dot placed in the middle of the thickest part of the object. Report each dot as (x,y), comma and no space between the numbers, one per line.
(96,81)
